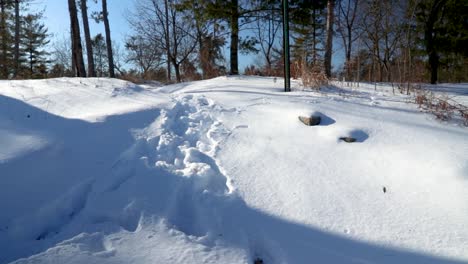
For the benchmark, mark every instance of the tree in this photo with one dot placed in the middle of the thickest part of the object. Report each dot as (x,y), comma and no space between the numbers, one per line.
(347,29)
(34,38)
(61,56)
(77,49)
(144,54)
(382,26)
(17,38)
(6,59)
(110,57)
(329,41)
(89,46)
(236,13)
(432,14)
(445,27)
(100,55)
(307,19)
(268,33)
(208,34)
(149,22)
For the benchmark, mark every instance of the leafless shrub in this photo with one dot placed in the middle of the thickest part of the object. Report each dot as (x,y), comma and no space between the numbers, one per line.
(313,78)
(441,106)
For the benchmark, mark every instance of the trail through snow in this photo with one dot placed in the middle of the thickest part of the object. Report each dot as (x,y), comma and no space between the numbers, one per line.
(221,171)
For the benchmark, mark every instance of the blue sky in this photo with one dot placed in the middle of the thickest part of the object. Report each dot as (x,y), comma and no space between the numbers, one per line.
(58,22)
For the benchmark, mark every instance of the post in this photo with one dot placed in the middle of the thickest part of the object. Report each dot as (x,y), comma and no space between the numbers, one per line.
(287,70)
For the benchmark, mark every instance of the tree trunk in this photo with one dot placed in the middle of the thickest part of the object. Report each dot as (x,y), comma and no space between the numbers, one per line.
(89,46)
(4,45)
(76,39)
(429,36)
(168,42)
(17,37)
(234,37)
(110,56)
(177,71)
(329,44)
(175,50)
(73,61)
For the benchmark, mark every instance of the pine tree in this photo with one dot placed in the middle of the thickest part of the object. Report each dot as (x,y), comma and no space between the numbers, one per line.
(6,56)
(235,13)
(208,35)
(308,28)
(99,54)
(445,27)
(34,38)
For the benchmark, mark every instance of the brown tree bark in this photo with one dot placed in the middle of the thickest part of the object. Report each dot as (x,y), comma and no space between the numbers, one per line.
(429,36)
(17,37)
(4,64)
(89,46)
(234,23)
(329,43)
(76,39)
(110,56)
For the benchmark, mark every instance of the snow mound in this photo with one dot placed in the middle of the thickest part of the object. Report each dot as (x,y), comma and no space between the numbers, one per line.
(90,99)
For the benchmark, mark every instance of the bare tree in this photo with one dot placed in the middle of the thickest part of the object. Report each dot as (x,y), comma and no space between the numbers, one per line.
(61,52)
(382,26)
(149,21)
(144,54)
(267,31)
(76,40)
(347,28)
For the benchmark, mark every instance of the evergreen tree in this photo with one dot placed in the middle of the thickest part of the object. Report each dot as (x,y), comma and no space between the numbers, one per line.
(308,28)
(208,34)
(236,13)
(445,27)
(34,38)
(6,39)
(99,54)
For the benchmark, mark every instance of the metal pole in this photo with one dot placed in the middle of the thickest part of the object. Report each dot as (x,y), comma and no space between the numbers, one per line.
(287,70)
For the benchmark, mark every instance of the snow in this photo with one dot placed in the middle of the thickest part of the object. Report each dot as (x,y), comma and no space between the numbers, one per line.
(222,171)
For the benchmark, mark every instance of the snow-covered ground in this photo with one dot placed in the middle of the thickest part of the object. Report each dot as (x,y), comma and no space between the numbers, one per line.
(222,171)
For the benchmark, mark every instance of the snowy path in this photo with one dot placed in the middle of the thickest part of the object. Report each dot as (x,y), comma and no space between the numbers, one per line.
(221,171)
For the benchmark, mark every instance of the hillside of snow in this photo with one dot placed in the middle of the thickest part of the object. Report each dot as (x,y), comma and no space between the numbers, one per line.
(222,171)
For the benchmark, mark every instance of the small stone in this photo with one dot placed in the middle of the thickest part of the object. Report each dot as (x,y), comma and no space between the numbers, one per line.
(28,116)
(348,139)
(310,121)
(258,261)
(384,189)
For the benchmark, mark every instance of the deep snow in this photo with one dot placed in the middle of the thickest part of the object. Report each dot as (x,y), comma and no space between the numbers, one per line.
(222,171)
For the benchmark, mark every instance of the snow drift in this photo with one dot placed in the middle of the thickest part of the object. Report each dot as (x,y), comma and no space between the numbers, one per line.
(105,171)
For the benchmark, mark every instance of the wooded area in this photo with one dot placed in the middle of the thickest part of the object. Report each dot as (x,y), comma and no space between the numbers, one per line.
(181,40)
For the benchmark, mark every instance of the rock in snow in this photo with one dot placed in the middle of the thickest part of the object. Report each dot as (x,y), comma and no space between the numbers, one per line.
(311,120)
